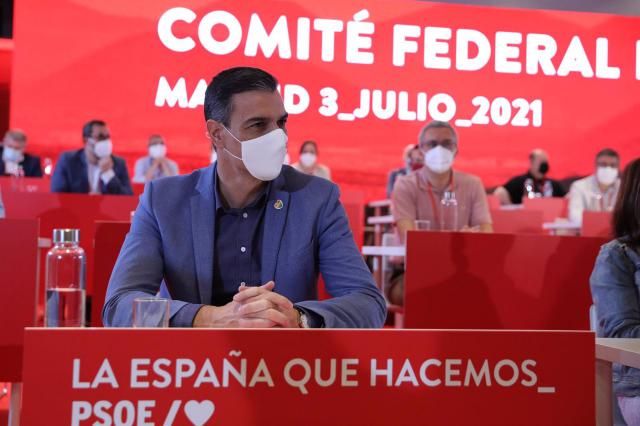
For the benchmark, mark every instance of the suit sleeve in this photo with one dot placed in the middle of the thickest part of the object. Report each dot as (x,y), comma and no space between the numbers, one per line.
(36,168)
(356,302)
(139,271)
(120,183)
(59,181)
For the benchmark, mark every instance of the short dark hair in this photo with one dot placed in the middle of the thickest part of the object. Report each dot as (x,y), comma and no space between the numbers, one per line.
(626,214)
(88,127)
(17,135)
(312,143)
(437,124)
(217,98)
(608,152)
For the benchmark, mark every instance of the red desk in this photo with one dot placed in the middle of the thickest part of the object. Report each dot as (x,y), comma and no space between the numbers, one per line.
(18,283)
(519,221)
(9,184)
(109,237)
(69,211)
(364,377)
(551,208)
(498,281)
(597,224)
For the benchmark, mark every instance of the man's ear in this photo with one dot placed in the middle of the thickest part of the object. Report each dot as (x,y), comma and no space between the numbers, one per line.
(214,130)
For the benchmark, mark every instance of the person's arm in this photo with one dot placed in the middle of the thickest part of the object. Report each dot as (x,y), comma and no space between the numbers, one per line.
(169,167)
(139,171)
(148,175)
(117,182)
(480,214)
(404,208)
(356,302)
(138,271)
(503,195)
(615,294)
(576,203)
(59,182)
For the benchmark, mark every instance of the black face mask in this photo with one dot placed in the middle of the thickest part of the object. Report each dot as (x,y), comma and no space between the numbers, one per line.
(544,168)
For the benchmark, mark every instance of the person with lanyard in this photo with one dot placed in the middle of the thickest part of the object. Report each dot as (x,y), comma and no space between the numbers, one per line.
(420,195)
(597,192)
(533,184)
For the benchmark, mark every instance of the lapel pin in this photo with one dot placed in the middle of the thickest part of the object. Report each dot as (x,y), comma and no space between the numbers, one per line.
(278,205)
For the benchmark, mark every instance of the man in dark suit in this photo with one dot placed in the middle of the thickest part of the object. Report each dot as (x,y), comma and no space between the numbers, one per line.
(93,169)
(14,157)
(241,242)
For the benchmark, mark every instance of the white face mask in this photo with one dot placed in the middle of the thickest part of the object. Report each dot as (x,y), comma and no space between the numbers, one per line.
(12,155)
(263,156)
(103,148)
(308,159)
(607,175)
(158,150)
(214,157)
(439,159)
(287,159)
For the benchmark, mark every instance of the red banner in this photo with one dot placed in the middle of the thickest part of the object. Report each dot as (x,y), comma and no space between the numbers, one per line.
(359,77)
(317,377)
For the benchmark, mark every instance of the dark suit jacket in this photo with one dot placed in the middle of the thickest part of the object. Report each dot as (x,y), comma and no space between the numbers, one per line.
(306,232)
(71,175)
(30,165)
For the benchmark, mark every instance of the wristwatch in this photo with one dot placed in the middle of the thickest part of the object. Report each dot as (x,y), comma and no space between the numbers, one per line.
(303,319)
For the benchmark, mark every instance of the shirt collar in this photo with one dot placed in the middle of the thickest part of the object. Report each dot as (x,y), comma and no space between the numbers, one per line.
(257,202)
(421,177)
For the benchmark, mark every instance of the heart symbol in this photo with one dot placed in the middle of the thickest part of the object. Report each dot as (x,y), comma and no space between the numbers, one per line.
(199,412)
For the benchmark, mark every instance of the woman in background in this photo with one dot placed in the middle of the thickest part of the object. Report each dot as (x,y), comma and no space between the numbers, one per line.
(615,288)
(308,161)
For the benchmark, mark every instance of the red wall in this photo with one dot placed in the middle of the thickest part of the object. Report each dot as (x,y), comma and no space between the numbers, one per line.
(75,71)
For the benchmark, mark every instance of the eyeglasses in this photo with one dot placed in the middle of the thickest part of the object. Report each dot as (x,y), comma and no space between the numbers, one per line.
(430,144)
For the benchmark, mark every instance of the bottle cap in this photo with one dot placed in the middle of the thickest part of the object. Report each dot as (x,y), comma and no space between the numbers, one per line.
(66,236)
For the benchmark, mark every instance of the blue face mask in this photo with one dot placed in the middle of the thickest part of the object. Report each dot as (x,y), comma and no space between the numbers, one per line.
(12,155)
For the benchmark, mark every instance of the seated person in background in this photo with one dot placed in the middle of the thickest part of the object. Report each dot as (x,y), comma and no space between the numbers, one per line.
(532,184)
(413,160)
(241,242)
(615,288)
(156,164)
(418,195)
(93,169)
(14,157)
(599,191)
(308,161)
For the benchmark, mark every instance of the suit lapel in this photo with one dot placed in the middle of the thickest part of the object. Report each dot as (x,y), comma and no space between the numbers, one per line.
(202,229)
(275,218)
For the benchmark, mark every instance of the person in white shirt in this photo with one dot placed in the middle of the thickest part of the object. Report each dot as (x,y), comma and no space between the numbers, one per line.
(156,164)
(599,191)
(308,161)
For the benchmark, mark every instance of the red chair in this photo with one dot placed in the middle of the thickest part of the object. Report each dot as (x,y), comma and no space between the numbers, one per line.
(19,272)
(498,281)
(551,208)
(596,224)
(517,221)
